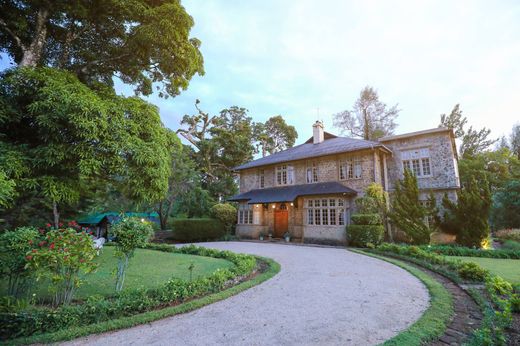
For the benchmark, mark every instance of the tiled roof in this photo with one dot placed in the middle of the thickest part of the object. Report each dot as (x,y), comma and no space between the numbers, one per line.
(307,150)
(291,192)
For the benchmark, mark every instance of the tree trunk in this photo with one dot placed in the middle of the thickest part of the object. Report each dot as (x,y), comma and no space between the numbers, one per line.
(32,54)
(366,133)
(55,214)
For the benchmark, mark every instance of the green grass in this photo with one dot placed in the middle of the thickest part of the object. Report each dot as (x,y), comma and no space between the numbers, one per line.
(147,317)
(511,245)
(148,268)
(508,269)
(435,319)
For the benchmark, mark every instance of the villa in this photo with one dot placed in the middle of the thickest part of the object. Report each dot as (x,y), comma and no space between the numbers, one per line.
(309,190)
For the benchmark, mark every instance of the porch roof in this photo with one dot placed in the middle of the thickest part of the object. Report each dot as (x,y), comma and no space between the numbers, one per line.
(291,192)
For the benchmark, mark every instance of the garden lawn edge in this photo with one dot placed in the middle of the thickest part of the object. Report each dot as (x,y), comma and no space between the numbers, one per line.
(273,268)
(435,319)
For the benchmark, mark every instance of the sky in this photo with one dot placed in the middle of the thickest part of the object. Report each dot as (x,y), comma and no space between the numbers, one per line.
(308,60)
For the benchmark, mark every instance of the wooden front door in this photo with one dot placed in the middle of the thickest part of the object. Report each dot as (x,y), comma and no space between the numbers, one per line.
(281,222)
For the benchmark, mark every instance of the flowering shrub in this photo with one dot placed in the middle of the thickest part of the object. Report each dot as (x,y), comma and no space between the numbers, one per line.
(130,234)
(61,256)
(14,246)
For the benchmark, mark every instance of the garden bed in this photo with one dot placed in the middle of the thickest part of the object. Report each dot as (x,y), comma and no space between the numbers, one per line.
(134,306)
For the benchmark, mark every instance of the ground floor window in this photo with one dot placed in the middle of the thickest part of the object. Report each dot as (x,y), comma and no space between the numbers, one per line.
(245,214)
(325,211)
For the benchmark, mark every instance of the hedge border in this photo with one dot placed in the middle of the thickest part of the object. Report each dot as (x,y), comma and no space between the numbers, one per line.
(434,321)
(273,268)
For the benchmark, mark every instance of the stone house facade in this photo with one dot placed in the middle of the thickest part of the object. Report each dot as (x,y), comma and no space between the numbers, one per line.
(309,190)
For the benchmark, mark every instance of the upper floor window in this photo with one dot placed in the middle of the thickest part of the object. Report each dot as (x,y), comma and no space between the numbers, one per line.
(417,161)
(284,175)
(312,173)
(350,169)
(261,178)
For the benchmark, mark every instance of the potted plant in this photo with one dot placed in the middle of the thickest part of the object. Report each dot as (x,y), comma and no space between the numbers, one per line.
(287,236)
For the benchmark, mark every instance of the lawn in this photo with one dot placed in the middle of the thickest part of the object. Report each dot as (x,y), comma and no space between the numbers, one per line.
(508,269)
(148,268)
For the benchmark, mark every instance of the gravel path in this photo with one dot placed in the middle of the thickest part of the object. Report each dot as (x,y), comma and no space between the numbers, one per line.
(324,296)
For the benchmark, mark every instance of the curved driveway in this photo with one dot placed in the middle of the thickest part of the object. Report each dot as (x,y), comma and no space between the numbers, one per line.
(324,296)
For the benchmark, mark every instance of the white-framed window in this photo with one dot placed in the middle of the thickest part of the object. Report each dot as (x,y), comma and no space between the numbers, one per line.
(417,161)
(350,169)
(284,175)
(312,173)
(426,203)
(245,214)
(325,212)
(261,178)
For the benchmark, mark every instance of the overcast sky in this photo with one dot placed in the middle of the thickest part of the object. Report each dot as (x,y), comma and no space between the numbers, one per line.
(293,57)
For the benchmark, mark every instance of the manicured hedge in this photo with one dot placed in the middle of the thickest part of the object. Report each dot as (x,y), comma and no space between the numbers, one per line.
(366,219)
(366,230)
(454,250)
(33,320)
(197,229)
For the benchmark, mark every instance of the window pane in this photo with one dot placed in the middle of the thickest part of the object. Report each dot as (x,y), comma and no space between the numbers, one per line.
(250,212)
(324,217)
(416,167)
(332,202)
(240,216)
(350,171)
(309,203)
(406,165)
(332,217)
(310,216)
(341,216)
(317,203)
(317,217)
(309,175)
(342,170)
(357,169)
(426,166)
(323,202)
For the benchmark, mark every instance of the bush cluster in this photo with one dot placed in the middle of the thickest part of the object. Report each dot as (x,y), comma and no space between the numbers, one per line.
(504,297)
(225,213)
(188,230)
(508,234)
(366,230)
(28,321)
(454,250)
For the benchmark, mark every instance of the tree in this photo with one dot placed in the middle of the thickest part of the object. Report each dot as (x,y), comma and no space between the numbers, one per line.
(275,135)
(468,218)
(407,213)
(454,121)
(7,190)
(225,213)
(59,132)
(515,140)
(505,211)
(142,42)
(183,178)
(369,119)
(130,234)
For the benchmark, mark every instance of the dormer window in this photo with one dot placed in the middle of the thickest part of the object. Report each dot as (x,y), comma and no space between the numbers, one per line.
(417,161)
(312,173)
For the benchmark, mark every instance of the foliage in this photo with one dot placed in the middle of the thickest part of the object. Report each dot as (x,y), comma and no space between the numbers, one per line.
(274,136)
(505,210)
(454,121)
(197,229)
(515,140)
(468,218)
(511,245)
(141,42)
(61,256)
(58,133)
(129,302)
(369,119)
(226,213)
(407,213)
(366,219)
(472,272)
(365,235)
(196,202)
(511,234)
(130,233)
(14,246)
(450,250)
(7,190)
(183,178)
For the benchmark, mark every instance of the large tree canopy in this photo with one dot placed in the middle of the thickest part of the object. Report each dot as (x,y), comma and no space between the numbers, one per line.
(274,135)
(370,118)
(56,132)
(139,41)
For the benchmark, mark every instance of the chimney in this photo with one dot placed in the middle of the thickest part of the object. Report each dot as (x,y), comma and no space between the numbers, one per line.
(317,132)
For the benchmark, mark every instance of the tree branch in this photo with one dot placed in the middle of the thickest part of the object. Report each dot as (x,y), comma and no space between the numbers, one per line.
(12,34)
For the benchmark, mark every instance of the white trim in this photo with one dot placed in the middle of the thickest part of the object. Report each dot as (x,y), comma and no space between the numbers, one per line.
(413,134)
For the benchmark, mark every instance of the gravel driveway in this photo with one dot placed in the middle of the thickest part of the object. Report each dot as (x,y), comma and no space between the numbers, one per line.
(324,296)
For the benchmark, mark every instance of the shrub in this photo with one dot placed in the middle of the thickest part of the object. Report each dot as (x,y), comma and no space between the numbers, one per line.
(28,321)
(14,246)
(189,230)
(472,271)
(130,234)
(455,250)
(366,219)
(62,256)
(509,234)
(226,213)
(362,235)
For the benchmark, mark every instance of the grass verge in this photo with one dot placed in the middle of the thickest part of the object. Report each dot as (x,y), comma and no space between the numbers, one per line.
(433,322)
(127,322)
(505,268)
